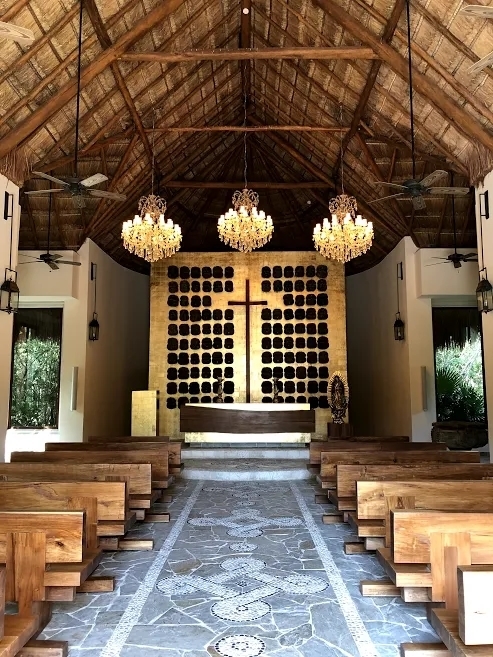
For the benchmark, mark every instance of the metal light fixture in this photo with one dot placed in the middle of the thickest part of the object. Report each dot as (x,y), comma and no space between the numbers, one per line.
(94,324)
(484,290)
(9,290)
(399,328)
(243,226)
(348,235)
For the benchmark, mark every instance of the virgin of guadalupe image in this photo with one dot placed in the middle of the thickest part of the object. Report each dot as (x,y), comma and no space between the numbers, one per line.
(338,397)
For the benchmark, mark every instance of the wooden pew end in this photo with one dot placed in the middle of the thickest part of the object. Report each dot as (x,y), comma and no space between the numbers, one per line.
(37,648)
(354,547)
(101,584)
(332,518)
(384,588)
(157,517)
(136,544)
(424,650)
(320,498)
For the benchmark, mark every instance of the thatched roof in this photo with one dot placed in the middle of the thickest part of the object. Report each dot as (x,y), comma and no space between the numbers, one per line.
(120,94)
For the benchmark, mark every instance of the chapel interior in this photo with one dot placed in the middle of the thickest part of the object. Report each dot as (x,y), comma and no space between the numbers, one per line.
(246,350)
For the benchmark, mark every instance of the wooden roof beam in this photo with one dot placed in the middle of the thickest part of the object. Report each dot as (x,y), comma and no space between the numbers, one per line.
(245,43)
(250,128)
(387,35)
(14,10)
(39,117)
(241,54)
(450,111)
(214,184)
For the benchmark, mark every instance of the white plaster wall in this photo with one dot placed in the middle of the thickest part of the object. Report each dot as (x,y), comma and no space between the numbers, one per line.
(378,366)
(6,320)
(486,227)
(119,361)
(109,369)
(385,375)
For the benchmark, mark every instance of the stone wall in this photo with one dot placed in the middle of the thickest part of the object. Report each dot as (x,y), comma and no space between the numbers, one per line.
(299,336)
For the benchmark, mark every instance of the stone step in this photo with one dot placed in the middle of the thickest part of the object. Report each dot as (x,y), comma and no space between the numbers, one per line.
(245,469)
(249,452)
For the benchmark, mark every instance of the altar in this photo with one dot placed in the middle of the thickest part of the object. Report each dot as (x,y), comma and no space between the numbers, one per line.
(247,423)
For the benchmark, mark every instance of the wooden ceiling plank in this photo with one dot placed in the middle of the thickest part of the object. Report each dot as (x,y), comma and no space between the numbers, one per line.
(392,164)
(442,216)
(245,43)
(470,217)
(252,54)
(251,128)
(29,126)
(32,223)
(208,184)
(447,108)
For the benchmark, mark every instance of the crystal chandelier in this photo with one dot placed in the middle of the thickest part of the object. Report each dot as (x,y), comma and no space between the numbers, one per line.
(243,226)
(148,235)
(348,235)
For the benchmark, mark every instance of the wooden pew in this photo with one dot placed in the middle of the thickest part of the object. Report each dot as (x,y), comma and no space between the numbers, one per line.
(34,547)
(331,460)
(377,499)
(158,460)
(172,449)
(137,475)
(368,443)
(428,546)
(113,516)
(467,632)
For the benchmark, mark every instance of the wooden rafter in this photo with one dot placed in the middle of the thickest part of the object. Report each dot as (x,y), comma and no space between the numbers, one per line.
(447,108)
(36,119)
(226,184)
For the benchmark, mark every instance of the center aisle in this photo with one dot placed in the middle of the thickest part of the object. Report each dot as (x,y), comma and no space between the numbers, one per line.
(245,569)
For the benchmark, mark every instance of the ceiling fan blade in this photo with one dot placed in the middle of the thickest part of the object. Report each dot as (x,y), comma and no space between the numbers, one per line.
(478,10)
(431,178)
(452,191)
(418,203)
(434,264)
(384,198)
(110,195)
(26,255)
(22,35)
(471,257)
(55,256)
(438,258)
(52,265)
(68,262)
(30,262)
(42,192)
(41,174)
(96,179)
(388,184)
(481,64)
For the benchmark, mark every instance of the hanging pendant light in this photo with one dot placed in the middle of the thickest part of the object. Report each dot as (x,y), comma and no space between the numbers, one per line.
(9,290)
(399,328)
(94,324)
(484,290)
(148,235)
(347,235)
(243,226)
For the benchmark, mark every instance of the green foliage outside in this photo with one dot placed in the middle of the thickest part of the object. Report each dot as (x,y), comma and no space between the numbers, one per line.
(459,381)
(35,383)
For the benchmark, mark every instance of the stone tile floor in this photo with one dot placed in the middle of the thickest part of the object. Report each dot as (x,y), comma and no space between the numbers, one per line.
(243,569)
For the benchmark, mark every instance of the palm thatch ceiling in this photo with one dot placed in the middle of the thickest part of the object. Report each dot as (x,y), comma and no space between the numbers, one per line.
(184,63)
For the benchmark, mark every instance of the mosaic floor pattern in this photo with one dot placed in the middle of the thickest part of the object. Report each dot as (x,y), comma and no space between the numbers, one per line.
(243,569)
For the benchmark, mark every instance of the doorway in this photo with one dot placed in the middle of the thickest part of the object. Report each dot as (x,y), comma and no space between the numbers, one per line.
(459,376)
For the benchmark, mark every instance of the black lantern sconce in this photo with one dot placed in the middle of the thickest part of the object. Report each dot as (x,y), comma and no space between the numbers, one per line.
(94,324)
(9,290)
(399,332)
(484,291)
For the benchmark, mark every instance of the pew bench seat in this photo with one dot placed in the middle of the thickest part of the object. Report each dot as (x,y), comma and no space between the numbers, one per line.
(327,483)
(342,503)
(17,632)
(446,624)
(413,575)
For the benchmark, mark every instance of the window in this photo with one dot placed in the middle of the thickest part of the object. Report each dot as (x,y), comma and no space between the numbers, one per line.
(35,390)
(458,365)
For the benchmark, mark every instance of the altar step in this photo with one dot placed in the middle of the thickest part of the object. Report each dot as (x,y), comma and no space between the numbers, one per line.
(241,468)
(219,451)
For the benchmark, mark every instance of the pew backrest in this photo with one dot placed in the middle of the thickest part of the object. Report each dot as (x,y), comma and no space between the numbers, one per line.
(330,460)
(129,439)
(170,450)
(316,448)
(348,475)
(138,475)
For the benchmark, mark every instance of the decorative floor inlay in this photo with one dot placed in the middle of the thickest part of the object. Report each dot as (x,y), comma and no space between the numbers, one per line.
(240,645)
(290,592)
(252,527)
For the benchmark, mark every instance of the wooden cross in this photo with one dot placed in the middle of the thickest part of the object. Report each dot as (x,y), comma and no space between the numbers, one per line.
(247,303)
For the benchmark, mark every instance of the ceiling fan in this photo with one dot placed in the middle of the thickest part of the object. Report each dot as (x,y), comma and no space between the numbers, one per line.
(456,258)
(50,259)
(481,12)
(21,35)
(79,188)
(416,190)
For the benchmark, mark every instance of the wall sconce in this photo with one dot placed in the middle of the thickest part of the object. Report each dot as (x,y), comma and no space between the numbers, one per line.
(94,324)
(484,291)
(9,290)
(399,332)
